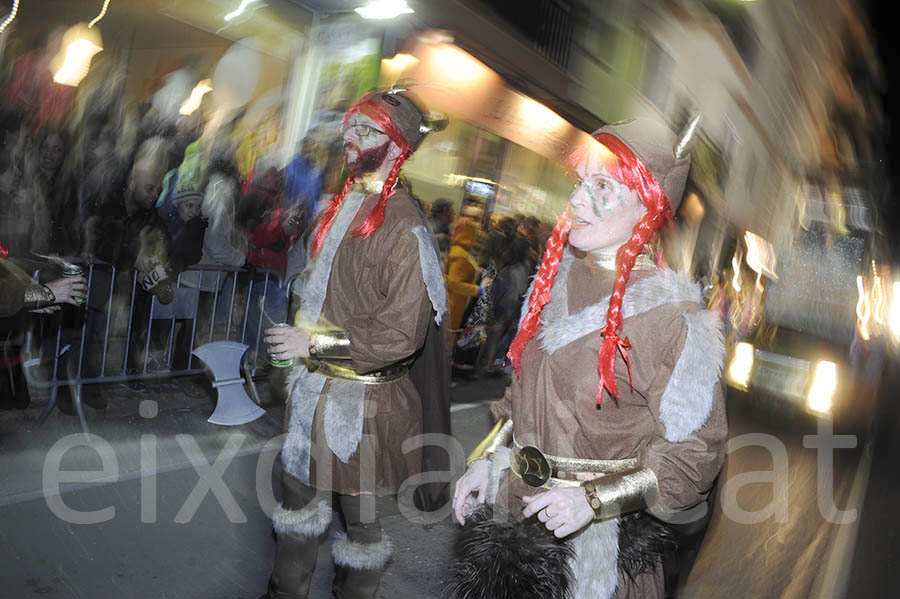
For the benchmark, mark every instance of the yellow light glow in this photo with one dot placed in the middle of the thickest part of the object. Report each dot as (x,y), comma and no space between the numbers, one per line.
(101,15)
(9,18)
(193,102)
(736,265)
(760,255)
(400,61)
(878,300)
(77,62)
(741,365)
(823,386)
(894,311)
(459,66)
(862,309)
(539,115)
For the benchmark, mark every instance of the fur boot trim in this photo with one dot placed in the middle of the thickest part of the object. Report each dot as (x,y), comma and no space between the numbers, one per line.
(501,558)
(311,520)
(361,556)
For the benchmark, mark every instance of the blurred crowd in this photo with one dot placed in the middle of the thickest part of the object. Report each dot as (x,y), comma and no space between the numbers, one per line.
(162,198)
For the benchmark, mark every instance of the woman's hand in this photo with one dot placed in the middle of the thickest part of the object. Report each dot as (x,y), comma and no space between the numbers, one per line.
(475,480)
(562,511)
(67,289)
(286,343)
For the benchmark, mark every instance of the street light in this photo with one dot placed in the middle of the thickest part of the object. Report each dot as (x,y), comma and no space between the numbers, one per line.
(383,9)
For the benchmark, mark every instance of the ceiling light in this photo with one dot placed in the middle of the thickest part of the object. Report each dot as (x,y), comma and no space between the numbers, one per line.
(384,9)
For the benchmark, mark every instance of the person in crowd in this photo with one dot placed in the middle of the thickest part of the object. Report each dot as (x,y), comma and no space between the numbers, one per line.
(50,192)
(370,311)
(606,480)
(261,214)
(509,288)
(303,182)
(20,293)
(461,272)
(441,217)
(16,215)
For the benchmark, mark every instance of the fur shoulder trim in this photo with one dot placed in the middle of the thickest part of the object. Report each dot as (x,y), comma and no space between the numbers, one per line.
(688,398)
(663,287)
(361,556)
(432,272)
(311,520)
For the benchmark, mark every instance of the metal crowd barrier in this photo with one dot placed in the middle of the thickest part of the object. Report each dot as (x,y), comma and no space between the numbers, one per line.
(211,323)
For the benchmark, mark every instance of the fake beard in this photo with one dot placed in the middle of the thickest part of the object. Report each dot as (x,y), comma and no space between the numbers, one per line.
(368,160)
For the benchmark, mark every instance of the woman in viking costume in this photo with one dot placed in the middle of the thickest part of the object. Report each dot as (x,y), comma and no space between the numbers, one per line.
(604,327)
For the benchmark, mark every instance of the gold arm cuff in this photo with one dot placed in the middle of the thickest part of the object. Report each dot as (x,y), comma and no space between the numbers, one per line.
(38,296)
(621,493)
(499,436)
(333,344)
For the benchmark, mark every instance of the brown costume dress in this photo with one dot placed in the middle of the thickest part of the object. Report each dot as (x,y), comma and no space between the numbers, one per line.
(377,292)
(672,419)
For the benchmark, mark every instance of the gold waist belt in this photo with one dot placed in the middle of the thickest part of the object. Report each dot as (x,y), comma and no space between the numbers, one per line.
(541,470)
(335,370)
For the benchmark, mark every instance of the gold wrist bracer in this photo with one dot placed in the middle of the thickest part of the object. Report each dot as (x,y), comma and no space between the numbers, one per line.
(38,296)
(621,492)
(333,344)
(499,436)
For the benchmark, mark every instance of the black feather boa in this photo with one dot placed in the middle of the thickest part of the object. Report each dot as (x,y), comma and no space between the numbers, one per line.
(643,542)
(499,557)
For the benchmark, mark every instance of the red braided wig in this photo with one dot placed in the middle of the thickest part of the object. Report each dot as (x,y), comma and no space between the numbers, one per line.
(631,172)
(376,216)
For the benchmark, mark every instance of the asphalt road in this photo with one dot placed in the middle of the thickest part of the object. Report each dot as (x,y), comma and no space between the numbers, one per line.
(771,533)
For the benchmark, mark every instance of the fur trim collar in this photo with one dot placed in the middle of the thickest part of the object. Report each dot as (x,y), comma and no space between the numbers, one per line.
(559,328)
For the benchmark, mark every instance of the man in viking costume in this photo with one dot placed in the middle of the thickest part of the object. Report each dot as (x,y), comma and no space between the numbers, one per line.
(607,482)
(371,370)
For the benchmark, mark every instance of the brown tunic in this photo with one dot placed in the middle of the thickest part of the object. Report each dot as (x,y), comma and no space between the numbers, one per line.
(553,405)
(376,292)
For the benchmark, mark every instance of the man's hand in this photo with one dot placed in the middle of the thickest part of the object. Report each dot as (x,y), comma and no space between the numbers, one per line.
(286,343)
(562,511)
(67,289)
(475,480)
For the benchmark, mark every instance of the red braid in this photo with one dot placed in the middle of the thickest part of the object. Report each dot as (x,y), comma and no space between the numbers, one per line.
(328,216)
(631,172)
(542,285)
(376,215)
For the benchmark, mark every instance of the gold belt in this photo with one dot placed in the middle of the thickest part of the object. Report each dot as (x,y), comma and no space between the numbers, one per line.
(548,471)
(333,370)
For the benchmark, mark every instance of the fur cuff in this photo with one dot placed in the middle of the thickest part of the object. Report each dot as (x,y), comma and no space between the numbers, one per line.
(309,521)
(361,556)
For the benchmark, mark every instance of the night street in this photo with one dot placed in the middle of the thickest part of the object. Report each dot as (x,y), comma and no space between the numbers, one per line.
(210,556)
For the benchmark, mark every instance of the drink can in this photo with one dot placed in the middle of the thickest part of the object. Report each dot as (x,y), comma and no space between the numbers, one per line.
(73,270)
(277,362)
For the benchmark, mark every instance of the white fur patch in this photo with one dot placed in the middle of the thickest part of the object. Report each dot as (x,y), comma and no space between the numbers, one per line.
(499,464)
(559,328)
(311,520)
(344,409)
(361,556)
(432,272)
(304,387)
(595,566)
(689,395)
